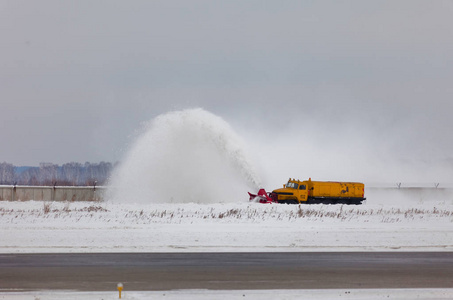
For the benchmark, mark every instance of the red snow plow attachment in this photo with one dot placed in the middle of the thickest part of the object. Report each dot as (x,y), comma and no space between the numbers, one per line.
(262,197)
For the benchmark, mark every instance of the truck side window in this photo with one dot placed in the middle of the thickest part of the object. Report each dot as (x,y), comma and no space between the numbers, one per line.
(302,187)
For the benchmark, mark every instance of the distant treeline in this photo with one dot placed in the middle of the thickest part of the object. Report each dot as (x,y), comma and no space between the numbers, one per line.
(69,174)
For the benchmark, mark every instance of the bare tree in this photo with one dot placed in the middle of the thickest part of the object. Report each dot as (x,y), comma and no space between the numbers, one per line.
(52,174)
(7,173)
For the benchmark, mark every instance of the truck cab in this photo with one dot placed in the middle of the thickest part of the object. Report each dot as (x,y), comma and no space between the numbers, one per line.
(294,191)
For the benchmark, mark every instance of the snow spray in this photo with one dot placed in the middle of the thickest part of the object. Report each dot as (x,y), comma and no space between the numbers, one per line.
(185,156)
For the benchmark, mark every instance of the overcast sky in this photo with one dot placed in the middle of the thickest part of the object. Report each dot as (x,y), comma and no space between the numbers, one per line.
(77,78)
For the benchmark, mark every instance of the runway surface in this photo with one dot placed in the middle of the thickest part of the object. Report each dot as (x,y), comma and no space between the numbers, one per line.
(168,271)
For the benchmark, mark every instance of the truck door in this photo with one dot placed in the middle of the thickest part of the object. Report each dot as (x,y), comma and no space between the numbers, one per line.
(303,193)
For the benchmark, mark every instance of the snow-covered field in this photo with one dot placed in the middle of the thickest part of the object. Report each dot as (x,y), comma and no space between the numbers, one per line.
(35,226)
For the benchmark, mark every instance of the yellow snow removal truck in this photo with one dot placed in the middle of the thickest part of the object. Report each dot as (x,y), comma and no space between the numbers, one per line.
(308,191)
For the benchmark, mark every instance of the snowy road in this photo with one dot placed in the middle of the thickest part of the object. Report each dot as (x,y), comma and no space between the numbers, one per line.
(224,271)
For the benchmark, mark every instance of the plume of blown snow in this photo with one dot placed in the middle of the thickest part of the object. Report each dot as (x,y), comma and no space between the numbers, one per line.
(185,156)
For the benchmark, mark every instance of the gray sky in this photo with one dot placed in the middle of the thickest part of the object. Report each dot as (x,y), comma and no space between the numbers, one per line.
(77,78)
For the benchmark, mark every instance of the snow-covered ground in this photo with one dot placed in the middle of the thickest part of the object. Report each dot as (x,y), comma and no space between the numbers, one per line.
(36,226)
(351,294)
(386,222)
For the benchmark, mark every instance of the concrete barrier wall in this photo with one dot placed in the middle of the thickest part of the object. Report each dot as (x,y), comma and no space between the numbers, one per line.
(71,193)
(50,193)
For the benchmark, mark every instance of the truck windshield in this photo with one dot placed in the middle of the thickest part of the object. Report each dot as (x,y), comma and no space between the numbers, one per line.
(292,185)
